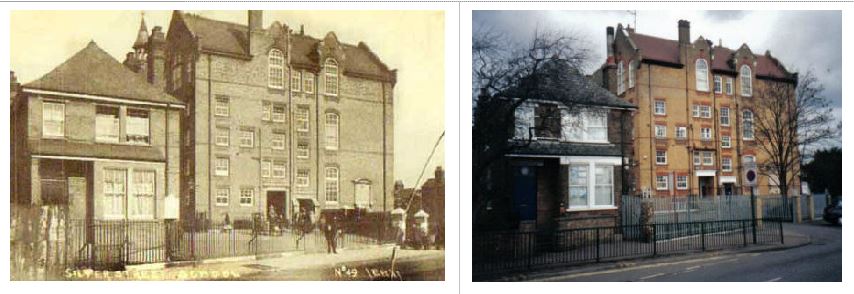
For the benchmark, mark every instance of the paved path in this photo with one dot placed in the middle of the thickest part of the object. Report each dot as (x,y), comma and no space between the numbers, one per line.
(820,260)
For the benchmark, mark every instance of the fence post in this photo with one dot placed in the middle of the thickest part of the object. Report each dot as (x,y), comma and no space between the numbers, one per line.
(781,234)
(654,241)
(811,206)
(744,233)
(530,250)
(754,209)
(797,214)
(597,245)
(703,235)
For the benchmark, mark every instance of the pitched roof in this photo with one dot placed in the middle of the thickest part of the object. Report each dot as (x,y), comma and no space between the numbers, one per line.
(566,85)
(232,38)
(664,50)
(93,71)
(564,148)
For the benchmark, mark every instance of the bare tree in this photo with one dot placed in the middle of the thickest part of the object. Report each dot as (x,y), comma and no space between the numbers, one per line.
(788,119)
(502,69)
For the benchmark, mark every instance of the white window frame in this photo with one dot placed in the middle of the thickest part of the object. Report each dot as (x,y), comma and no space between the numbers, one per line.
(681,132)
(222,106)
(266,110)
(278,116)
(276,69)
(222,166)
(724,116)
(746,75)
(590,185)
(303,178)
(681,182)
(705,134)
(308,82)
(114,195)
(247,138)
(621,86)
(632,74)
(695,110)
(101,137)
(303,150)
(580,127)
(726,164)
(701,75)
(698,159)
(141,205)
(266,168)
(222,136)
(660,131)
(705,111)
(726,142)
(660,110)
(280,169)
(747,125)
(303,117)
(277,140)
(718,84)
(333,124)
(222,196)
(332,187)
(53,113)
(247,193)
(296,81)
(708,158)
(729,86)
(661,157)
(331,72)
(661,185)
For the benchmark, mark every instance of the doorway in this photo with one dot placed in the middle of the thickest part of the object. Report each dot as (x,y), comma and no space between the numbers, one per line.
(729,189)
(707,186)
(525,193)
(277,205)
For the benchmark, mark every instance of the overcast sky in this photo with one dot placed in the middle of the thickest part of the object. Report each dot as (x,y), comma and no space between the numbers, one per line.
(801,40)
(410,41)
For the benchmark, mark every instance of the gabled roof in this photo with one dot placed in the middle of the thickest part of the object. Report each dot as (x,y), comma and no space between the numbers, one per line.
(93,71)
(232,39)
(563,84)
(664,50)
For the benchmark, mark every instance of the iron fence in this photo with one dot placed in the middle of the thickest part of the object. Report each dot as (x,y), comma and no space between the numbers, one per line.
(512,251)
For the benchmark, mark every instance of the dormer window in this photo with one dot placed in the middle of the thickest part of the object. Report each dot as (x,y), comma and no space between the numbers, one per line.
(746,81)
(702,75)
(276,65)
(330,71)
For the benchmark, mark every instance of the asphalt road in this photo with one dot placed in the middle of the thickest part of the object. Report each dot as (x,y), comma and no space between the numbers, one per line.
(820,261)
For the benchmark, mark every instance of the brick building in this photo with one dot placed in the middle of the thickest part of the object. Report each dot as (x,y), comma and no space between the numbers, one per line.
(567,155)
(276,120)
(693,130)
(94,136)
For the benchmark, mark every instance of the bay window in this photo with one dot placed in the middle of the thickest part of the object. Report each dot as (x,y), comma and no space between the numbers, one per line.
(591,185)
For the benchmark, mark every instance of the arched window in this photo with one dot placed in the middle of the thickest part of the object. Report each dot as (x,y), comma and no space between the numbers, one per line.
(746,81)
(701,75)
(331,184)
(621,87)
(330,70)
(747,125)
(276,65)
(332,121)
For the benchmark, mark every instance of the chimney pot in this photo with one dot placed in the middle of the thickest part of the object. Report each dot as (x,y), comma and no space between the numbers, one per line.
(684,32)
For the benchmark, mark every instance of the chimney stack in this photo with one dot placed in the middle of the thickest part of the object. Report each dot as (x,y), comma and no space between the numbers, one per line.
(609,42)
(684,32)
(256,20)
(156,58)
(301,30)
(256,31)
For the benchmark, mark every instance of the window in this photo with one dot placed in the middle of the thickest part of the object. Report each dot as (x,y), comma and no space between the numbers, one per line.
(221,166)
(141,205)
(221,107)
(247,196)
(302,119)
(697,158)
(115,189)
(708,158)
(660,131)
(330,70)
(302,178)
(726,142)
(705,111)
(279,113)
(729,86)
(746,81)
(331,184)
(137,128)
(661,157)
(682,182)
(661,182)
(632,74)
(718,86)
(681,132)
(302,150)
(747,124)
(278,140)
(266,168)
(308,82)
(279,169)
(705,134)
(621,87)
(587,126)
(702,75)
(749,161)
(725,116)
(276,64)
(222,136)
(332,131)
(247,138)
(582,183)
(726,164)
(547,120)
(659,107)
(107,124)
(296,81)
(266,110)
(222,196)
(53,119)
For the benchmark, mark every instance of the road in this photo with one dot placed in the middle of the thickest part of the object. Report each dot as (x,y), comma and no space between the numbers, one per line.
(425,269)
(820,261)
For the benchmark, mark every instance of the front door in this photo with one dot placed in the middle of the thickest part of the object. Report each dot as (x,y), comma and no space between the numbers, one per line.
(728,189)
(276,205)
(706,186)
(525,192)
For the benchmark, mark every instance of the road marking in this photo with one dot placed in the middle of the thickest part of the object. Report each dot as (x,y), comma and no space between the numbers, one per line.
(693,268)
(579,275)
(775,279)
(651,276)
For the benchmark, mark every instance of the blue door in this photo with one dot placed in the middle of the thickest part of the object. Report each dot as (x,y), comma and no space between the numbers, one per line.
(525,192)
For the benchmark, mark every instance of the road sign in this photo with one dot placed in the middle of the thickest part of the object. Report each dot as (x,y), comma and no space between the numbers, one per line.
(750,177)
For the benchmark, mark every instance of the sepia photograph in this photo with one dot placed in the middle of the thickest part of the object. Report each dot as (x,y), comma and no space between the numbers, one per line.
(227,145)
(657,146)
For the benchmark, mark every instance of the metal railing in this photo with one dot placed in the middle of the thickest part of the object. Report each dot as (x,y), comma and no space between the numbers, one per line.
(512,251)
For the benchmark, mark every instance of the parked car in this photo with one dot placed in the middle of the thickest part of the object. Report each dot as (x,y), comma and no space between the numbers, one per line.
(833,213)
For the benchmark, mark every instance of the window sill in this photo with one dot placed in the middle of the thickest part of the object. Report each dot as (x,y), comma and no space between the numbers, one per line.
(246,205)
(52,137)
(594,208)
(221,204)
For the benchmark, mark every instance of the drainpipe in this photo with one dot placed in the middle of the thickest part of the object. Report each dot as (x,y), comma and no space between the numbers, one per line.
(166,171)
(689,132)
(210,132)
(652,128)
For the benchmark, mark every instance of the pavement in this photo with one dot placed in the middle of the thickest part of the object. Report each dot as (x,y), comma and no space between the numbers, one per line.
(812,252)
(369,264)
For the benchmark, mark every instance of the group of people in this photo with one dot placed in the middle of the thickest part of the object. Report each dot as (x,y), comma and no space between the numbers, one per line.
(328,224)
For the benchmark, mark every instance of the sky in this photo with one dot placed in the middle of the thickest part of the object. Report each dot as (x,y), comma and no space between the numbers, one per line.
(801,40)
(410,41)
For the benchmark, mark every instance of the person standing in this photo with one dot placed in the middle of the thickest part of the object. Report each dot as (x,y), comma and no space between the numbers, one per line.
(330,231)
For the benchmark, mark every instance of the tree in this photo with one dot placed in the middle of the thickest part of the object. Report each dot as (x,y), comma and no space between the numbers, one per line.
(503,69)
(788,119)
(824,172)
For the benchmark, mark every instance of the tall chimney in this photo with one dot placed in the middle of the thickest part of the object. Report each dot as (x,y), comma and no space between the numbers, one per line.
(156,58)
(256,31)
(609,42)
(256,20)
(684,32)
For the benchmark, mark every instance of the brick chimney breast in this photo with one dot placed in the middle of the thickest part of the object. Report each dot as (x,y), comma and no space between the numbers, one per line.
(684,32)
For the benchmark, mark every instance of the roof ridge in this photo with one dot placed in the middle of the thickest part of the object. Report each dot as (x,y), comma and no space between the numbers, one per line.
(199,16)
